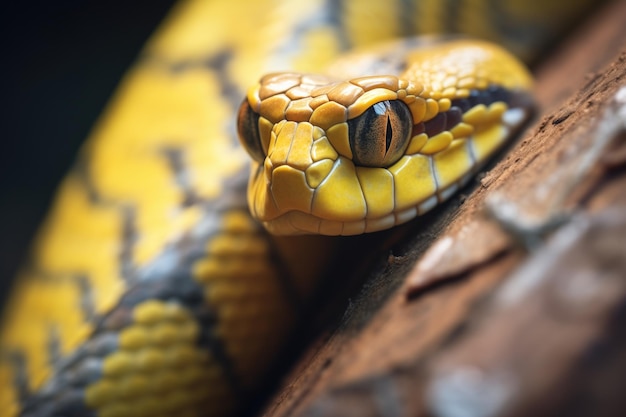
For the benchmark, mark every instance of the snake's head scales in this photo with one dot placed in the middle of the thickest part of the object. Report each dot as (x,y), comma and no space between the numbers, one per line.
(344,157)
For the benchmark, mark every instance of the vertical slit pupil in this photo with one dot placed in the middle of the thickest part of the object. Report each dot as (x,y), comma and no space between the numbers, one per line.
(389,134)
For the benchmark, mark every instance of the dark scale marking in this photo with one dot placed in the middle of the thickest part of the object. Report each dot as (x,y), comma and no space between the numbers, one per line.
(69,404)
(491,94)
(219,63)
(129,238)
(101,345)
(435,125)
(176,160)
(454,116)
(86,372)
(462,103)
(53,346)
(418,129)
(116,319)
(443,121)
(87,302)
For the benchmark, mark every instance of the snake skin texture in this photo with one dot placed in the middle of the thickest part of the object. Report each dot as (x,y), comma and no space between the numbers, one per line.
(150,290)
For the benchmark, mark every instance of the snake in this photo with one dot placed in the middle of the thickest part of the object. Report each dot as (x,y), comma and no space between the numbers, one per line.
(173,263)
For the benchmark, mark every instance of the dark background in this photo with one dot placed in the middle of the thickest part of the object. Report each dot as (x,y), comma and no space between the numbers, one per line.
(61,62)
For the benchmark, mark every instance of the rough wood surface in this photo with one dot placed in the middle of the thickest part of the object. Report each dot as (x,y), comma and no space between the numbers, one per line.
(509,301)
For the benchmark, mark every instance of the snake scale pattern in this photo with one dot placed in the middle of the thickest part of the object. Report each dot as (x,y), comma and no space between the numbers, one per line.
(151,290)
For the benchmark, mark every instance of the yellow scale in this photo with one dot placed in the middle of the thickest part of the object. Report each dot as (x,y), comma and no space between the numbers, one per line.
(89,328)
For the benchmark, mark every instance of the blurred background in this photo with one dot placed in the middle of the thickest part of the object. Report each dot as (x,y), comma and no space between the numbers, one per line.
(62,61)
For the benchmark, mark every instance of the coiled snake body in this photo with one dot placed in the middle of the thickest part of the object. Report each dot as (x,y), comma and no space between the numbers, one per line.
(151,290)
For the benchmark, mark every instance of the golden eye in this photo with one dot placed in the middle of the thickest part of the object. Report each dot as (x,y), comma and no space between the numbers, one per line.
(248,130)
(379,137)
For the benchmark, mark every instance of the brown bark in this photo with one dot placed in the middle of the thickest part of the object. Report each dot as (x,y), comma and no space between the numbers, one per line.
(513,300)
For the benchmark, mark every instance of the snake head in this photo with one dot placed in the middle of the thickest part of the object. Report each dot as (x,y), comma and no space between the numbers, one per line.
(364,154)
(322,148)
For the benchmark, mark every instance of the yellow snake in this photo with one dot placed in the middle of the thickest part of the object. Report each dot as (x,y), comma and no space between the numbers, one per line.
(151,291)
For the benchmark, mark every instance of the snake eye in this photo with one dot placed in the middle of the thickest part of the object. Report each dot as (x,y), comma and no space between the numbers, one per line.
(379,137)
(248,130)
